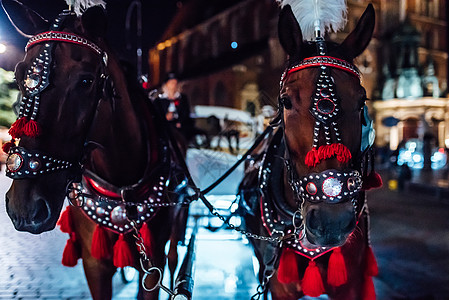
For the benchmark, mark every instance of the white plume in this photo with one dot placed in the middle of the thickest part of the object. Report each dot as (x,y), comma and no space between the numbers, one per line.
(331,15)
(80,6)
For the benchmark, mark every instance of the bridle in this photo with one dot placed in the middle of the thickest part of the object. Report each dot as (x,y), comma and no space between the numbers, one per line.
(24,163)
(330,186)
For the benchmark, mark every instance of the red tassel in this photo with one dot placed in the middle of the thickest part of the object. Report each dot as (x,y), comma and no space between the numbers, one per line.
(336,271)
(71,252)
(372,181)
(147,239)
(288,267)
(368,291)
(312,284)
(17,128)
(65,221)
(8,145)
(371,268)
(315,156)
(31,129)
(311,158)
(100,244)
(122,254)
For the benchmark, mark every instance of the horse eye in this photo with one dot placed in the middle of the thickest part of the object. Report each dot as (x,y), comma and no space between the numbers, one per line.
(86,82)
(285,101)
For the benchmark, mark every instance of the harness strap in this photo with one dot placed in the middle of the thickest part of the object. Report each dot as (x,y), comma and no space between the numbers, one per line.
(66,37)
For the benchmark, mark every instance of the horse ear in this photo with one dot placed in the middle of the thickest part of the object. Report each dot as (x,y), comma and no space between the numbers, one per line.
(290,35)
(94,21)
(26,21)
(360,37)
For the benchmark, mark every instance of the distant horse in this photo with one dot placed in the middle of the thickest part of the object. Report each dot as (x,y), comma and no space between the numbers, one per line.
(302,197)
(86,129)
(211,127)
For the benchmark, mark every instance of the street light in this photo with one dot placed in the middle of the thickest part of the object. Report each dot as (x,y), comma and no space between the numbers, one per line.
(2,48)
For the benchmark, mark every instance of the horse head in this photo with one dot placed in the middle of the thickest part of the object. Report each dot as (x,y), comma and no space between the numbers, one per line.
(64,80)
(321,105)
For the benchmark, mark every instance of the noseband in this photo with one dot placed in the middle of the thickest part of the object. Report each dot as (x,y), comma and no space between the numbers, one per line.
(23,163)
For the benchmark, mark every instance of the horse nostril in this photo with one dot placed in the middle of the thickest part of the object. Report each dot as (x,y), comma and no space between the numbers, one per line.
(42,212)
(313,221)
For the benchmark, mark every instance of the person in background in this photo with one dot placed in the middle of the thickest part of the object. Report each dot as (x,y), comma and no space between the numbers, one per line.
(175,106)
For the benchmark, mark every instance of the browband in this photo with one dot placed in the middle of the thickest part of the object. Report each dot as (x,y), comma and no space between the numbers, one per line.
(317,61)
(58,36)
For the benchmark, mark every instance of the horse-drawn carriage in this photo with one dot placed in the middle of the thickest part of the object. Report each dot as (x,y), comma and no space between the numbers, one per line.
(85,130)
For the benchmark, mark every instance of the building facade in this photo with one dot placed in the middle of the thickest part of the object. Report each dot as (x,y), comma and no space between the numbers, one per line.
(232,57)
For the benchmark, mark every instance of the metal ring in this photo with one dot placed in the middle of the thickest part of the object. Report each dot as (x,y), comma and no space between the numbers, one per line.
(147,273)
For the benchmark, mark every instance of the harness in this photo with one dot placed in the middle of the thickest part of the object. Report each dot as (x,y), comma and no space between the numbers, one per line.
(330,186)
(107,205)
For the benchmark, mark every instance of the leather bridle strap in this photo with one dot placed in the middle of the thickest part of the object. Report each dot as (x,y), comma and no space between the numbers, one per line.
(66,37)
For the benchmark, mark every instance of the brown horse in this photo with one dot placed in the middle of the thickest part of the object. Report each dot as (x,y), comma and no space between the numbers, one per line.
(86,128)
(303,191)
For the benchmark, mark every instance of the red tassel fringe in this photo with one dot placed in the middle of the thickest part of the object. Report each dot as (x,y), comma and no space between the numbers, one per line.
(315,156)
(65,221)
(371,268)
(368,291)
(8,145)
(336,272)
(122,254)
(101,248)
(31,129)
(312,284)
(17,128)
(372,181)
(71,252)
(288,267)
(147,239)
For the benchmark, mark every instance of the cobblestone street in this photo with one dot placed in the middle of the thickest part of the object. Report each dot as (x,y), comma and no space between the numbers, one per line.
(409,234)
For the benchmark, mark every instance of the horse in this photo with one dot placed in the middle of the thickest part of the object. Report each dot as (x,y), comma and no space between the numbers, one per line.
(88,131)
(211,127)
(302,199)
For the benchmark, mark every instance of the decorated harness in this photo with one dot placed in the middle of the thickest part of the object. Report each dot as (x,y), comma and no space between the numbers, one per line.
(117,209)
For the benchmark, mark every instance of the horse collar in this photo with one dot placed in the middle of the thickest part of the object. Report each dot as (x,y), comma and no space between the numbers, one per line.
(117,207)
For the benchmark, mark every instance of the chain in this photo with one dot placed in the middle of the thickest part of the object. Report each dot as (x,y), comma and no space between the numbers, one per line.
(146,265)
(248,234)
(262,287)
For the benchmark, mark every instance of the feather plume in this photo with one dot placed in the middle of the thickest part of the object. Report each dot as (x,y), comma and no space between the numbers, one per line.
(80,6)
(329,15)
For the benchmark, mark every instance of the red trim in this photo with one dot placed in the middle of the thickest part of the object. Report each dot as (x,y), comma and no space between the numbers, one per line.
(307,188)
(67,38)
(100,189)
(308,62)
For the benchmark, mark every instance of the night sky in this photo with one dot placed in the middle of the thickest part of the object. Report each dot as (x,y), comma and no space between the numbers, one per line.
(156,15)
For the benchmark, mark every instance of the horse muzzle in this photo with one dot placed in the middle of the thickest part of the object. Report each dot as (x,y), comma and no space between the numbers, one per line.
(34,220)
